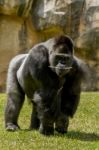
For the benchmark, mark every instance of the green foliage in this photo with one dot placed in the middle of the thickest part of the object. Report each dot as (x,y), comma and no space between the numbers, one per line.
(83,130)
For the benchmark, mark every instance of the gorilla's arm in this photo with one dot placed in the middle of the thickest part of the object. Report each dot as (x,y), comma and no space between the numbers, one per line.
(70,95)
(72,88)
(34,70)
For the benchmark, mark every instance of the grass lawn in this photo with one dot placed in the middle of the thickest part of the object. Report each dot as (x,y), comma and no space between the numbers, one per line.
(83,131)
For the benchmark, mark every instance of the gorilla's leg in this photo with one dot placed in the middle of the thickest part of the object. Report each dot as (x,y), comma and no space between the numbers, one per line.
(61,124)
(15,94)
(42,112)
(46,120)
(46,125)
(12,111)
(34,118)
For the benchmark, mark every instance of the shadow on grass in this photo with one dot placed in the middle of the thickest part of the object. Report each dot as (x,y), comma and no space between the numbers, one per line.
(82,136)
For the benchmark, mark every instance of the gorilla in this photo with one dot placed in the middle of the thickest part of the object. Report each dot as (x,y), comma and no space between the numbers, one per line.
(50,76)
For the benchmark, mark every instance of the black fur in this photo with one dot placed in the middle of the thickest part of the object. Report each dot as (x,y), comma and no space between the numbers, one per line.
(54,92)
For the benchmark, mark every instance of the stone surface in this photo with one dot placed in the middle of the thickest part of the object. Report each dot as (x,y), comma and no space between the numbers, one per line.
(26,22)
(16,7)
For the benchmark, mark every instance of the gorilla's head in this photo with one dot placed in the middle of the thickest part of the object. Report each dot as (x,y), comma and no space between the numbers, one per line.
(61,55)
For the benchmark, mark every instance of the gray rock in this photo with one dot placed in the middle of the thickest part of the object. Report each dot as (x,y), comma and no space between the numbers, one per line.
(27,22)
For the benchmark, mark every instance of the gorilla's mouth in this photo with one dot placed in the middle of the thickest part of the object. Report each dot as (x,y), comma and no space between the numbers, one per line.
(61,71)
(66,68)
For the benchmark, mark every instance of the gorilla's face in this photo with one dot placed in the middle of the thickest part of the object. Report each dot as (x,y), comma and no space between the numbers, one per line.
(61,55)
(61,63)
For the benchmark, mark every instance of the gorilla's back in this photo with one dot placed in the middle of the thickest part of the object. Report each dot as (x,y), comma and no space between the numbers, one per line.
(13,67)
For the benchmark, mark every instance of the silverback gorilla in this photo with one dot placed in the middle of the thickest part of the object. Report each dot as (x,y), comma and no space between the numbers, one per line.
(50,76)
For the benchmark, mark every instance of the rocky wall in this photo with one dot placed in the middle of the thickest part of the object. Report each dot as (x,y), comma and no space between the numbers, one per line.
(24,23)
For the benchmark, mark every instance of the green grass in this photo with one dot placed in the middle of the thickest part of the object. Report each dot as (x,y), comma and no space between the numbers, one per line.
(83,131)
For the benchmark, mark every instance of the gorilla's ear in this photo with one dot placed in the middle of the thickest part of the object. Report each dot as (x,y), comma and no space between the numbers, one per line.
(63,39)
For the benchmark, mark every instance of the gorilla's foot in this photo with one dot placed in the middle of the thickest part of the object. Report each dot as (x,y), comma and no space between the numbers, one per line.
(61,124)
(12,127)
(46,130)
(61,130)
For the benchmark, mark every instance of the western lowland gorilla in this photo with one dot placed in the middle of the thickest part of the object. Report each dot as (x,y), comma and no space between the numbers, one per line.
(50,76)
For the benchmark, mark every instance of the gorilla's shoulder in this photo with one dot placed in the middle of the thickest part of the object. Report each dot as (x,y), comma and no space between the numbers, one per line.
(17,60)
(38,55)
(79,67)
